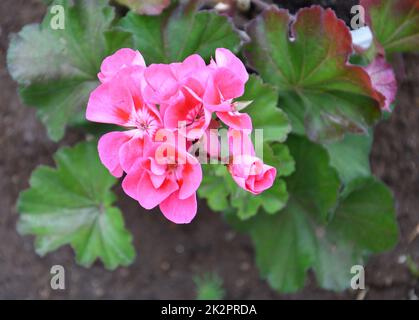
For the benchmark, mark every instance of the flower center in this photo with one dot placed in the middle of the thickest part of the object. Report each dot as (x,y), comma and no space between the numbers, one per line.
(146,122)
(195,115)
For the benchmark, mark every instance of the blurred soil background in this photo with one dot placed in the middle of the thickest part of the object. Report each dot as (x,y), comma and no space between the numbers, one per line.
(168,255)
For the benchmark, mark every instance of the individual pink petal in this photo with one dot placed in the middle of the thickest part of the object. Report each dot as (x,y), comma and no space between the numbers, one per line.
(228,84)
(157,180)
(383,80)
(162,83)
(131,151)
(225,58)
(148,196)
(109,147)
(131,180)
(191,180)
(157,172)
(177,210)
(156,168)
(236,120)
(121,59)
(213,100)
(188,67)
(111,102)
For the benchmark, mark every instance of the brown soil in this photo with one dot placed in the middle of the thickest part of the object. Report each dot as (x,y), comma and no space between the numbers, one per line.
(169,255)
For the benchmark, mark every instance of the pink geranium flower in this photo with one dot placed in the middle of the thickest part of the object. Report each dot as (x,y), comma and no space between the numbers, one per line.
(168,177)
(251,174)
(120,101)
(227,81)
(246,169)
(166,82)
(121,59)
(188,113)
(158,105)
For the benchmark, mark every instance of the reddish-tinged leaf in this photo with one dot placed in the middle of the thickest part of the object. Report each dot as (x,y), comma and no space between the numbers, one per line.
(150,7)
(395,23)
(322,93)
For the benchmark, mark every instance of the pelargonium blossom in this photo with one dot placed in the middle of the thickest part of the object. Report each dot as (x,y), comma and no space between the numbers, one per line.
(246,169)
(186,100)
(168,179)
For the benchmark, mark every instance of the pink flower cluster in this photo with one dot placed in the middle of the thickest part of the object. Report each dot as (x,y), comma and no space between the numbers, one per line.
(185,99)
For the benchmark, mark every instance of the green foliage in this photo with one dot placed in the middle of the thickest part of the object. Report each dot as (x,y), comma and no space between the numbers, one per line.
(179,32)
(57,69)
(350,156)
(412,266)
(72,204)
(322,94)
(395,23)
(321,228)
(209,287)
(264,111)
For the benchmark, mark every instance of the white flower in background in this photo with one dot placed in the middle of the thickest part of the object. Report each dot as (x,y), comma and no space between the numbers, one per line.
(362,38)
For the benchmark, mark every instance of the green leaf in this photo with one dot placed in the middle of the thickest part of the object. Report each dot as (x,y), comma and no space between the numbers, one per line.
(395,23)
(179,32)
(72,204)
(214,189)
(363,223)
(298,238)
(350,156)
(209,286)
(57,68)
(323,95)
(278,156)
(271,200)
(366,215)
(264,111)
(151,7)
(314,184)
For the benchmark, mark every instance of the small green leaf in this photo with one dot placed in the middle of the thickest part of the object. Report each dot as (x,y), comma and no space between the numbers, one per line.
(179,32)
(323,95)
(57,68)
(72,204)
(395,23)
(264,111)
(214,189)
(350,156)
(209,286)
(278,155)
